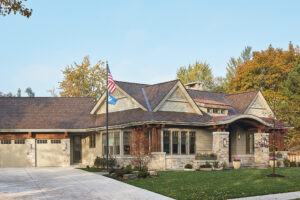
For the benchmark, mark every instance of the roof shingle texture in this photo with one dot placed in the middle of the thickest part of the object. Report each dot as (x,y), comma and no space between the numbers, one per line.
(45,113)
(241,101)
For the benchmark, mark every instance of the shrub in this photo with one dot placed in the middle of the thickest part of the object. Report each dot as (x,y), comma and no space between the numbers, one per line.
(278,163)
(293,164)
(112,162)
(143,174)
(298,163)
(111,171)
(144,169)
(224,165)
(128,169)
(120,172)
(207,165)
(136,168)
(99,162)
(188,166)
(286,162)
(216,164)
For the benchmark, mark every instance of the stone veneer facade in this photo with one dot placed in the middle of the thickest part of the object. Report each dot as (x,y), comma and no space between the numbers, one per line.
(261,149)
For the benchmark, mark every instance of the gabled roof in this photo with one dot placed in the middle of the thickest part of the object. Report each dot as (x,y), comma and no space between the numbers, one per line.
(45,112)
(216,98)
(241,101)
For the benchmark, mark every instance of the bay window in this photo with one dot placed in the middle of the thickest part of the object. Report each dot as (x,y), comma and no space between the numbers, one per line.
(113,143)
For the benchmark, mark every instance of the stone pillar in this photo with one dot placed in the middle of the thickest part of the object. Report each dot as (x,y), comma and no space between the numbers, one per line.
(221,146)
(261,149)
(66,151)
(30,144)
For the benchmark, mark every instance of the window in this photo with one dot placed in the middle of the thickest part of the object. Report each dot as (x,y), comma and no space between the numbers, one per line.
(92,139)
(209,110)
(175,142)
(166,138)
(223,111)
(104,150)
(42,141)
(55,142)
(192,142)
(5,141)
(183,142)
(126,141)
(116,143)
(215,110)
(19,141)
(149,137)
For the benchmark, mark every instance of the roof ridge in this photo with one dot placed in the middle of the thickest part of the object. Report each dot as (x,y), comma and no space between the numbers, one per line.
(227,94)
(206,91)
(163,82)
(132,82)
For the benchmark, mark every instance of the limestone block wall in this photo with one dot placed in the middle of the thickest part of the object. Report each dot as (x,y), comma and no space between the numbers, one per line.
(89,154)
(261,148)
(221,146)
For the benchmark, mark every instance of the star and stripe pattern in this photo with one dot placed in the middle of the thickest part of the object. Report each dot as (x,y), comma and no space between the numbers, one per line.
(111,84)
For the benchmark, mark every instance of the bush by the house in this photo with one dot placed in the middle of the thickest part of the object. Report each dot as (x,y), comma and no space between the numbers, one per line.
(207,165)
(277,154)
(188,166)
(143,174)
(293,164)
(216,164)
(100,162)
(224,165)
(278,164)
(286,162)
(128,169)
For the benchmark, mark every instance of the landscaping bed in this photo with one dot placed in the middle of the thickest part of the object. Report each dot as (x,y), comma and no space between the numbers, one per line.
(220,184)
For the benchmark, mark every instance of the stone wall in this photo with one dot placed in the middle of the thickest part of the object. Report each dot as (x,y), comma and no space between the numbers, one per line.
(221,146)
(261,149)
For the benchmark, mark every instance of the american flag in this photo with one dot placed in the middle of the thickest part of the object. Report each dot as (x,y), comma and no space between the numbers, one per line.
(111,84)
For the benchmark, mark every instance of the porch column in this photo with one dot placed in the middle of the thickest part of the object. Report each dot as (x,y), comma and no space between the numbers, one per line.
(261,149)
(221,146)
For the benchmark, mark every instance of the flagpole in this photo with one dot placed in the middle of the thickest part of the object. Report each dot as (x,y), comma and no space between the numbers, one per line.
(107,147)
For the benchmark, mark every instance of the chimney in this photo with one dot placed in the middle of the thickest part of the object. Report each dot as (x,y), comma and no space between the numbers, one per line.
(194,86)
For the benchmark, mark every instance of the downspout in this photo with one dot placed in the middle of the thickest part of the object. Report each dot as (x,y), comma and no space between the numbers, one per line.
(35,153)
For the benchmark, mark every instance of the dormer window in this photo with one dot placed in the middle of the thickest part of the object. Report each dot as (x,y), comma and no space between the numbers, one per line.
(215,110)
(222,111)
(209,110)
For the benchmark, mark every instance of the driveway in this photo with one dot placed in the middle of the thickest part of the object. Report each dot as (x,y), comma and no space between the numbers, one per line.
(66,183)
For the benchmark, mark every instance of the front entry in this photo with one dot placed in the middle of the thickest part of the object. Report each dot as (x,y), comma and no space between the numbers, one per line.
(77,149)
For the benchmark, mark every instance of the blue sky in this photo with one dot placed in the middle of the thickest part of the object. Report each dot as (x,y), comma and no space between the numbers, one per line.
(144,41)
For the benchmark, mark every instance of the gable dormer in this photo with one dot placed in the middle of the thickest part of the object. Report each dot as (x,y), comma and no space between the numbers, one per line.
(259,107)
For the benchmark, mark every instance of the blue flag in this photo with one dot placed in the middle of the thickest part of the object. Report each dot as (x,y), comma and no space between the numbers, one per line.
(112,100)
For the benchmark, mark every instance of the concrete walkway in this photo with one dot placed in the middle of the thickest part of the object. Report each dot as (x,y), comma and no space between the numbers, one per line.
(66,183)
(280,196)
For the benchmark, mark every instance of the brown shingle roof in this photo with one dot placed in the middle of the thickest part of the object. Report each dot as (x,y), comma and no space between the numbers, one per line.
(207,96)
(155,93)
(241,101)
(139,115)
(45,113)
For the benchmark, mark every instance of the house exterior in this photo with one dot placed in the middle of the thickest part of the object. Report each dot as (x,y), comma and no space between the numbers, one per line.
(180,122)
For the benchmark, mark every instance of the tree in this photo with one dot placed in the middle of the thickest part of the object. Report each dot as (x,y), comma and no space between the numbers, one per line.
(234,63)
(140,148)
(291,106)
(19,93)
(9,6)
(219,84)
(82,80)
(52,92)
(198,72)
(29,92)
(275,73)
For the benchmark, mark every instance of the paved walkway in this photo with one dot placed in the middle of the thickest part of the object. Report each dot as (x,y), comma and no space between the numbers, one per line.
(66,183)
(280,196)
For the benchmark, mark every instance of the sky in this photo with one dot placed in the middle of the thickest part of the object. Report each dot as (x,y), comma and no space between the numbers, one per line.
(144,41)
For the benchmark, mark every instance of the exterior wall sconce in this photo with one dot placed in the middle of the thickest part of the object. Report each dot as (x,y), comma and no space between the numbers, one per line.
(239,136)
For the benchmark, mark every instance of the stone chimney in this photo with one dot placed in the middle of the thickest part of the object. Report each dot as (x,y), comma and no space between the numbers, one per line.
(194,86)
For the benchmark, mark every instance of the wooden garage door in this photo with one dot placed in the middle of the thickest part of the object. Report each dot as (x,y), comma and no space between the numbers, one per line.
(51,153)
(16,153)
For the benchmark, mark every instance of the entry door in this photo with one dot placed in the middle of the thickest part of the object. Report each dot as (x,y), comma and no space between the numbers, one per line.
(77,149)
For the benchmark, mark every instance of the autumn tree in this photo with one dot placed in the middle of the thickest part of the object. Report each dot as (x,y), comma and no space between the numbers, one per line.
(272,72)
(83,80)
(140,148)
(19,93)
(14,6)
(198,72)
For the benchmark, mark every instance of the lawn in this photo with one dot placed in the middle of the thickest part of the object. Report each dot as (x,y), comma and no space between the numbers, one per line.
(220,184)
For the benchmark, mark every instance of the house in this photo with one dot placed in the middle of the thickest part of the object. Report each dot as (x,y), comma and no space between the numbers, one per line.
(179,121)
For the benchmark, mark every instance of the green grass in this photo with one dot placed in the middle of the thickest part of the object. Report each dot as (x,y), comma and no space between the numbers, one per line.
(93,169)
(220,184)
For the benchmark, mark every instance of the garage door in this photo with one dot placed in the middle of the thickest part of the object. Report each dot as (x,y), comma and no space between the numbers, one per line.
(16,153)
(52,152)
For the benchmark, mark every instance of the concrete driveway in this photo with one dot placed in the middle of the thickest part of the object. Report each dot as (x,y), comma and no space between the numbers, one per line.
(66,183)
